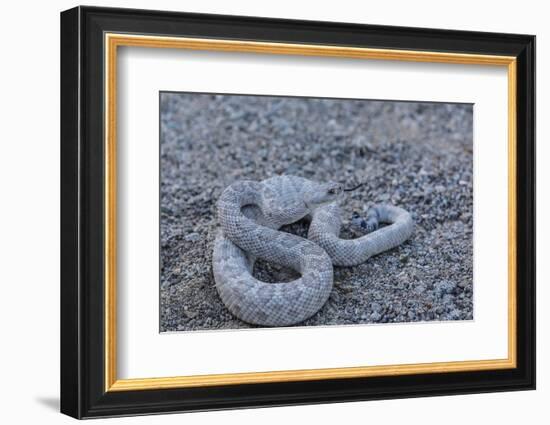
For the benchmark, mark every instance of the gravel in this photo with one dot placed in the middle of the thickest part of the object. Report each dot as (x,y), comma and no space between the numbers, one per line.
(414,155)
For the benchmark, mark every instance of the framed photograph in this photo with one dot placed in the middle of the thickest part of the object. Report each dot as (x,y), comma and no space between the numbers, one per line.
(261,212)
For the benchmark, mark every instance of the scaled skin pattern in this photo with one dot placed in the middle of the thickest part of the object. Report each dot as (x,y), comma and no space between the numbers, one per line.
(250,214)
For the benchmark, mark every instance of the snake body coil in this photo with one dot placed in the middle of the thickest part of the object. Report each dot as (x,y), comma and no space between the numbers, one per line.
(250,214)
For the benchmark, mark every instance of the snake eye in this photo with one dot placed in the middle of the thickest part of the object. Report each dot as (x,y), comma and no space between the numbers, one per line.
(332,191)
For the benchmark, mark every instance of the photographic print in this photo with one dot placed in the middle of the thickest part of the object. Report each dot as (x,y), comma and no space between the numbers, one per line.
(297,211)
(259,183)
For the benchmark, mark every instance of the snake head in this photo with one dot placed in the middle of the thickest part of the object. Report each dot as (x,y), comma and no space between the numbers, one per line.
(323,193)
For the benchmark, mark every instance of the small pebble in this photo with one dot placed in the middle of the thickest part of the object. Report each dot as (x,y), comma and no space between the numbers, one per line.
(375,317)
(192,237)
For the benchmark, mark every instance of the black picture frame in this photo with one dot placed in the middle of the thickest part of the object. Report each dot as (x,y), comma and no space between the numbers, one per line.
(83,392)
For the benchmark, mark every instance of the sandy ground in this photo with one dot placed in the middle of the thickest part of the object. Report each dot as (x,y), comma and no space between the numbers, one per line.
(414,155)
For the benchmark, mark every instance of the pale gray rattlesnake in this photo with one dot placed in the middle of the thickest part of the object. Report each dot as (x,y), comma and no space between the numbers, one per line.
(250,214)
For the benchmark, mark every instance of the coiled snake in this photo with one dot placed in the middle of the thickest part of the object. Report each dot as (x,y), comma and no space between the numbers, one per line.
(250,214)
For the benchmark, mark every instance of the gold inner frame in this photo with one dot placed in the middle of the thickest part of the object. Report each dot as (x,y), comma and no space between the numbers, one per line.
(113,41)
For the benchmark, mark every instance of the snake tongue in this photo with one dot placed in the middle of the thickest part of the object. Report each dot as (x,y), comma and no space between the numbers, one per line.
(354,188)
